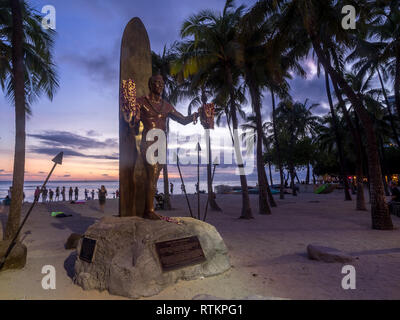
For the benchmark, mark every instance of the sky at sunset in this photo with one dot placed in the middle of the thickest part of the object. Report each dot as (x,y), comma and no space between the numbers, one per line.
(82,119)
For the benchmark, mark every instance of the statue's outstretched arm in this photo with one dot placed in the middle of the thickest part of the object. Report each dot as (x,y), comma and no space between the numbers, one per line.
(179,117)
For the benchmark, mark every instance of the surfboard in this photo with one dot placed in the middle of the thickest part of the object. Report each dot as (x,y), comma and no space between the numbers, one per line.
(135,64)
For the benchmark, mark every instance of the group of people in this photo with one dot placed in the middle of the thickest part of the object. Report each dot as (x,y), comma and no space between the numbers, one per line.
(54,195)
(49,195)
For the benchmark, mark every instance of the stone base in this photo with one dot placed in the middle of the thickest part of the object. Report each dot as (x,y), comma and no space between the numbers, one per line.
(17,256)
(126,263)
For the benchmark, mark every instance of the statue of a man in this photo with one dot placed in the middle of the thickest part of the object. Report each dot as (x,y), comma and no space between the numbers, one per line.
(153,112)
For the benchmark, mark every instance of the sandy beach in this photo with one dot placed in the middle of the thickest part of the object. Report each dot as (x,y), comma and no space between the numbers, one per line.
(268,253)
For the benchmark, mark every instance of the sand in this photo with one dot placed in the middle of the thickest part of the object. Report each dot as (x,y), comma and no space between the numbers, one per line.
(268,253)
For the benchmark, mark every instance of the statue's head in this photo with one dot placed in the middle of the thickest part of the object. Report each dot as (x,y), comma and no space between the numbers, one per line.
(156,84)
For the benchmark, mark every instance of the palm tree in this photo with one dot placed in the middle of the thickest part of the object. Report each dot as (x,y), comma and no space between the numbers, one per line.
(253,58)
(384,25)
(320,20)
(343,166)
(266,60)
(211,41)
(196,88)
(26,71)
(296,121)
(252,124)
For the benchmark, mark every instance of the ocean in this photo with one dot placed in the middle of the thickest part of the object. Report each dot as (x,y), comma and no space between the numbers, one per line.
(111,186)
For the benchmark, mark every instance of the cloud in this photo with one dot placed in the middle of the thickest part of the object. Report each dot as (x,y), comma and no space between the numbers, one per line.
(93,133)
(105,175)
(66,175)
(71,140)
(1,170)
(69,152)
(97,65)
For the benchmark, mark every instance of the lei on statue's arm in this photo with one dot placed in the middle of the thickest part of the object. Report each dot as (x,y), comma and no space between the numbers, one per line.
(206,112)
(129,107)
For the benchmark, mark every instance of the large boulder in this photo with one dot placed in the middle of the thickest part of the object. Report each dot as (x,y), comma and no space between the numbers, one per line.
(126,262)
(326,254)
(17,256)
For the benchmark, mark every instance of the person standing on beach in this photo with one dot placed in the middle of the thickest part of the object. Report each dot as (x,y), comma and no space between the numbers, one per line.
(44,195)
(76,193)
(92,194)
(51,193)
(63,193)
(70,193)
(37,194)
(102,197)
(86,194)
(171,188)
(57,194)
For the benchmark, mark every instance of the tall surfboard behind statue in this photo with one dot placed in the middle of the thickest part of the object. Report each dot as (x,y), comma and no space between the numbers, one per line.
(135,65)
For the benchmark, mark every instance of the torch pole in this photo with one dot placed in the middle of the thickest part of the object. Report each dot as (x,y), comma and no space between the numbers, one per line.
(56,160)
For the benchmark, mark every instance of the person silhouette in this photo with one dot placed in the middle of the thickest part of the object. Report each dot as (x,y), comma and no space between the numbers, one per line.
(63,193)
(57,194)
(76,193)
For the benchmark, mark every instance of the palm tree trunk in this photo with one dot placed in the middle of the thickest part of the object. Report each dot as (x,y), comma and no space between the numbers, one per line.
(308,173)
(270,173)
(276,140)
(392,124)
(262,177)
(381,219)
(211,199)
(246,208)
(382,159)
(343,170)
(356,134)
(292,184)
(397,81)
(17,41)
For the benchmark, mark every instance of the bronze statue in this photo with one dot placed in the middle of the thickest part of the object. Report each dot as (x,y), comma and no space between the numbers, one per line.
(152,110)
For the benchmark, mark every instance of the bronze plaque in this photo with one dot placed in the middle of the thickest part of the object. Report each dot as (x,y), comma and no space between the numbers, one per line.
(179,253)
(87,249)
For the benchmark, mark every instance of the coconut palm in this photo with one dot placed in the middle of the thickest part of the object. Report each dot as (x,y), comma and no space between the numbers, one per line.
(26,72)
(211,39)
(321,20)
(368,60)
(296,121)
(266,59)
(384,25)
(339,139)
